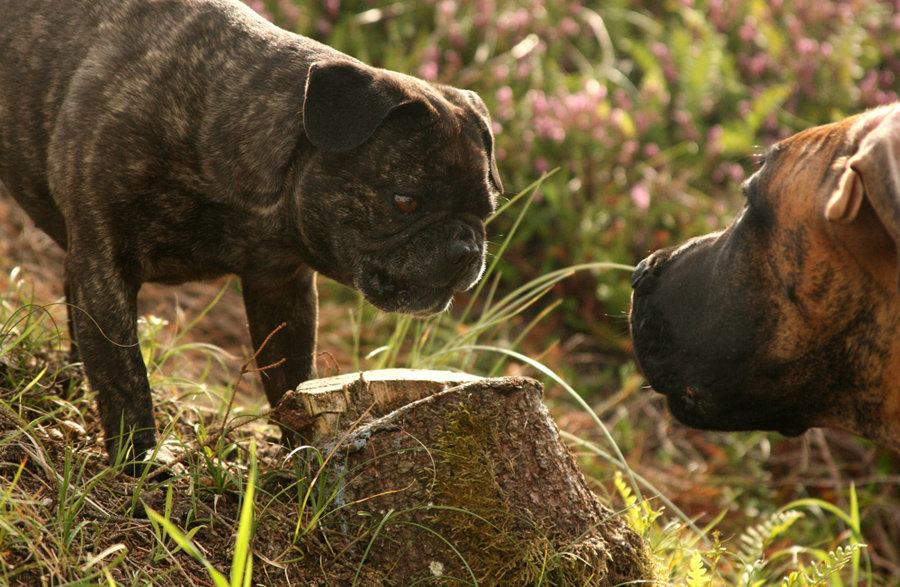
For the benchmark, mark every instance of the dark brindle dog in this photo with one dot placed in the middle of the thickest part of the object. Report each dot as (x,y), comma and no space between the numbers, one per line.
(790,317)
(174,140)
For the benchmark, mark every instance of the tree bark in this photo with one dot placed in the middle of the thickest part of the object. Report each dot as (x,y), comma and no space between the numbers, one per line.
(447,479)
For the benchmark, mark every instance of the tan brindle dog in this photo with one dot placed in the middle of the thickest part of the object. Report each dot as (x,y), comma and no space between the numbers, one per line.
(790,317)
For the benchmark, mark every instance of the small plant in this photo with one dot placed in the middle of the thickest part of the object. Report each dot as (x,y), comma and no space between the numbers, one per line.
(752,563)
(161,548)
(242,560)
(820,573)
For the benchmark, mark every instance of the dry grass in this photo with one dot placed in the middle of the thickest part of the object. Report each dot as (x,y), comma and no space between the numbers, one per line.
(66,519)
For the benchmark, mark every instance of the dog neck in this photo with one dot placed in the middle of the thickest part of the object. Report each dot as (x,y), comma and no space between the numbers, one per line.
(874,414)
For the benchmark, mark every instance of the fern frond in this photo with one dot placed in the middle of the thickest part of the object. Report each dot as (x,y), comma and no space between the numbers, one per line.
(624,490)
(837,559)
(754,540)
(697,575)
(640,516)
(819,573)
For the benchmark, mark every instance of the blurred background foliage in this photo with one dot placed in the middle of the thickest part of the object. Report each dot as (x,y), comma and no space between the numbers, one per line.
(653,112)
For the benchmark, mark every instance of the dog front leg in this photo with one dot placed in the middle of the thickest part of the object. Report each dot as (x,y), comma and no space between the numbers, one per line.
(74,355)
(103,315)
(294,303)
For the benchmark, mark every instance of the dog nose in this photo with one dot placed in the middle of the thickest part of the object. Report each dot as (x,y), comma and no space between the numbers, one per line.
(463,250)
(640,272)
(463,253)
(646,275)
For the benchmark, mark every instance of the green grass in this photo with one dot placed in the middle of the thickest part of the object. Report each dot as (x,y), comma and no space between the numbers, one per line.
(67,519)
(665,101)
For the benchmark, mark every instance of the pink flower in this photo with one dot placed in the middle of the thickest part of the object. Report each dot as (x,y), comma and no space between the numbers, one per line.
(640,196)
(447,8)
(651,150)
(260,9)
(429,71)
(807,46)
(713,141)
(749,29)
(569,27)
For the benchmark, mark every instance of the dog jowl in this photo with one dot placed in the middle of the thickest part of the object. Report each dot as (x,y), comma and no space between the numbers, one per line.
(788,318)
(176,140)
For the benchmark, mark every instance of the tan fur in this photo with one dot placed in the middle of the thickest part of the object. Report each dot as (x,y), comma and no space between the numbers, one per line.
(794,319)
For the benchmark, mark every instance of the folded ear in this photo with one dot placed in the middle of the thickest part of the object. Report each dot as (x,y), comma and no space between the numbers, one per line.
(495,175)
(874,173)
(344,104)
(487,136)
(844,204)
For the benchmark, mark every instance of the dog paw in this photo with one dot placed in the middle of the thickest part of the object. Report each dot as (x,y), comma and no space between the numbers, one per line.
(157,464)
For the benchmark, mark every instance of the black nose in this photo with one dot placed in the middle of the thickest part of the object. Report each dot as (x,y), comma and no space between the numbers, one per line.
(640,272)
(463,253)
(463,249)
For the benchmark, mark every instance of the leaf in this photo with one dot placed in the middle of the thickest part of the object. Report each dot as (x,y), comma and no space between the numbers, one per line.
(818,574)
(242,568)
(755,539)
(697,575)
(188,546)
(739,137)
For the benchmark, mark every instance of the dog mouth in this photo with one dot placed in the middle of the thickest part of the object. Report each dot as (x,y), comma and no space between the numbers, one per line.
(731,398)
(707,409)
(707,389)
(393,294)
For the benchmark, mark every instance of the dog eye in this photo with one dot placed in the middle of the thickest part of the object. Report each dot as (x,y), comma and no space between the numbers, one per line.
(406,204)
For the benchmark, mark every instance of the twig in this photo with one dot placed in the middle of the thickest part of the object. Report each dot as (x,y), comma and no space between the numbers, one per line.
(225,430)
(334,364)
(245,369)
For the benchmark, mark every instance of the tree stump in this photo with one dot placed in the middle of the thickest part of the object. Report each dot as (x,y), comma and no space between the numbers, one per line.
(448,479)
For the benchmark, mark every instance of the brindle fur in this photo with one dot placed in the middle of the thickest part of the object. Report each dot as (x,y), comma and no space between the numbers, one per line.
(174,140)
(788,318)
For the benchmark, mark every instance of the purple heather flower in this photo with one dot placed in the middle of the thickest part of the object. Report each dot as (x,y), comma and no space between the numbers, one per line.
(260,8)
(640,196)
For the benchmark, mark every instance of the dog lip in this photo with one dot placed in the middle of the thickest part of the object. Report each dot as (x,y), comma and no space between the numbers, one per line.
(699,407)
(384,285)
(390,294)
(381,283)
(792,430)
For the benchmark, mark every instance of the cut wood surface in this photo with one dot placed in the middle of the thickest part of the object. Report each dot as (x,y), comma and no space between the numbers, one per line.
(443,478)
(318,407)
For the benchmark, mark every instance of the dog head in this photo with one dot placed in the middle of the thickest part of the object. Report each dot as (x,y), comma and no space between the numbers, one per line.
(394,202)
(788,318)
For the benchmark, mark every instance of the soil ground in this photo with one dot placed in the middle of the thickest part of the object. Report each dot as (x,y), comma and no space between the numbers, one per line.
(695,469)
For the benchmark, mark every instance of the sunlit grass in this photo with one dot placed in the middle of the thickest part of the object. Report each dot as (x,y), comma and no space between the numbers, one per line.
(63,535)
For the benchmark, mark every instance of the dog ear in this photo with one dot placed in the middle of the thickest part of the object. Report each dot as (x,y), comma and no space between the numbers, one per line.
(844,204)
(873,172)
(488,139)
(344,104)
(477,104)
